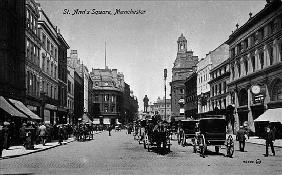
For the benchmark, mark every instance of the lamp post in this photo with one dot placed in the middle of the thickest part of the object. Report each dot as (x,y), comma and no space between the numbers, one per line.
(165,75)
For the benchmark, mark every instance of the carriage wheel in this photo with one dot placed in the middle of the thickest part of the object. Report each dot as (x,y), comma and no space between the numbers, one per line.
(203,146)
(230,146)
(217,149)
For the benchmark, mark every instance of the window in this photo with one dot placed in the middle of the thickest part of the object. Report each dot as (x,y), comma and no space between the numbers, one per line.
(233,72)
(52,50)
(254,63)
(216,90)
(224,87)
(107,97)
(48,66)
(246,66)
(44,40)
(271,27)
(219,88)
(69,86)
(181,91)
(52,66)
(277,91)
(55,71)
(261,57)
(239,68)
(270,55)
(55,54)
(48,45)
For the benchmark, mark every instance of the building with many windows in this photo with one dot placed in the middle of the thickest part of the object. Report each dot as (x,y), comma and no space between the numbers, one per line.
(191,99)
(62,79)
(184,65)
(212,59)
(70,96)
(162,108)
(108,87)
(255,64)
(49,68)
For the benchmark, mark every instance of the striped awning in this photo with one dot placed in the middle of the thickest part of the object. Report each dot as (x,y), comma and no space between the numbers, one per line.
(6,106)
(24,109)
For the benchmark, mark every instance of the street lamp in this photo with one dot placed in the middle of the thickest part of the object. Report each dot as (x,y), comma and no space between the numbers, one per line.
(165,75)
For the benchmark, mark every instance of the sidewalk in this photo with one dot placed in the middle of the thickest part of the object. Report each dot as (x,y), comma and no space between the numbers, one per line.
(257,140)
(16,151)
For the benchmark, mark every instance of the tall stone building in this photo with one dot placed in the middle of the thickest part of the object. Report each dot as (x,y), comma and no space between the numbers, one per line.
(108,86)
(212,59)
(255,66)
(191,102)
(33,45)
(62,78)
(183,66)
(49,68)
(12,49)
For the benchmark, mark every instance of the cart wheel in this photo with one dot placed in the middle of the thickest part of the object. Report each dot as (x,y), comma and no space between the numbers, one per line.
(217,149)
(230,146)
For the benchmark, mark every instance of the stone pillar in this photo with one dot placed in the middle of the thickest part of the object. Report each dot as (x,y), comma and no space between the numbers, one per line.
(275,51)
(250,114)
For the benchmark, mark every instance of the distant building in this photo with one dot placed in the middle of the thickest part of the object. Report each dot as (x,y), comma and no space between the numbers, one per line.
(191,99)
(108,87)
(130,105)
(184,64)
(70,97)
(160,108)
(204,66)
(78,98)
(255,65)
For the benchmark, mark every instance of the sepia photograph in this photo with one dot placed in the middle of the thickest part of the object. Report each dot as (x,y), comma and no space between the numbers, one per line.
(156,87)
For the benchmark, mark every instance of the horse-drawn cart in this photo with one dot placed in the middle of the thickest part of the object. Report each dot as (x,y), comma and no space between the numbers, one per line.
(212,132)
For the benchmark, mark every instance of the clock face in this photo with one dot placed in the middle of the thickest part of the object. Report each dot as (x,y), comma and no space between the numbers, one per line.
(255,89)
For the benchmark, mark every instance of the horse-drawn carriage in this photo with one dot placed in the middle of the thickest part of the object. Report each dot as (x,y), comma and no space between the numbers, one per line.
(157,135)
(212,132)
(186,130)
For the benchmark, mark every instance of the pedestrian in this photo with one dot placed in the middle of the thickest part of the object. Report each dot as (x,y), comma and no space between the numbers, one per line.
(269,139)
(6,132)
(1,138)
(22,133)
(241,137)
(60,134)
(110,129)
(42,133)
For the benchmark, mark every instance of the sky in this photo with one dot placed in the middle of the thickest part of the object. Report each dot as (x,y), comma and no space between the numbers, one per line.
(142,46)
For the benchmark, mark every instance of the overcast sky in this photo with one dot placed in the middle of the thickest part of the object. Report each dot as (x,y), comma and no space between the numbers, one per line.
(141,46)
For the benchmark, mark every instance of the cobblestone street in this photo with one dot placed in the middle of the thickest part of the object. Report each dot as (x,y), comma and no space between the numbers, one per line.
(120,154)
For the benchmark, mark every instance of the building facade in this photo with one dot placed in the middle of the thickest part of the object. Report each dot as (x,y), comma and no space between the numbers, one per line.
(255,64)
(184,64)
(33,45)
(162,110)
(12,49)
(49,68)
(78,98)
(212,59)
(108,87)
(191,99)
(70,95)
(62,79)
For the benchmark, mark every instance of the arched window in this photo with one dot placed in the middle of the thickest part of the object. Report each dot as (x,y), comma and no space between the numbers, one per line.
(277,91)
(261,57)
(243,97)
(254,63)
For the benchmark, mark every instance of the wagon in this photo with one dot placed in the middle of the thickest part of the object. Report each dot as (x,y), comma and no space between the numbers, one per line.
(186,130)
(159,138)
(212,132)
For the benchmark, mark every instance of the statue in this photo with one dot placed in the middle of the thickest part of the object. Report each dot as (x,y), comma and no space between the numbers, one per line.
(145,100)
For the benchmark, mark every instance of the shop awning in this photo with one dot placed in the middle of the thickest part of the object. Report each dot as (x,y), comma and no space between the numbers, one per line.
(24,109)
(6,106)
(271,115)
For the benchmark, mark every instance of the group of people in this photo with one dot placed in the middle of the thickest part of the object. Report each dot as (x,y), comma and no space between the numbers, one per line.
(269,136)
(31,133)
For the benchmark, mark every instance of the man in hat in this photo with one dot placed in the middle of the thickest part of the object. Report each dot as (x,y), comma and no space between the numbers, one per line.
(269,138)
(241,138)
